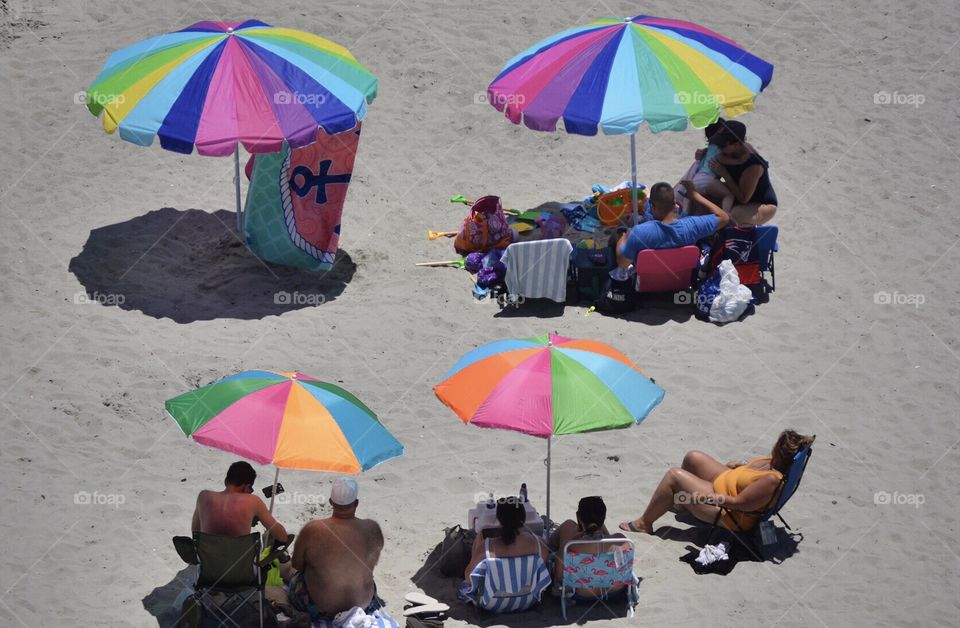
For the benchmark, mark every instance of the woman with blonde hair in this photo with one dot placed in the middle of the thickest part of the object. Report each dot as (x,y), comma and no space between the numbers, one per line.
(702,484)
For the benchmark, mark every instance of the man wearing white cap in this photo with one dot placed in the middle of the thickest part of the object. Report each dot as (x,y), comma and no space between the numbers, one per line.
(335,557)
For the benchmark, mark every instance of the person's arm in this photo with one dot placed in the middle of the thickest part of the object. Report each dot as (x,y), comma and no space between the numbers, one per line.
(195,523)
(723,219)
(478,553)
(743,189)
(273,526)
(300,547)
(376,543)
(754,497)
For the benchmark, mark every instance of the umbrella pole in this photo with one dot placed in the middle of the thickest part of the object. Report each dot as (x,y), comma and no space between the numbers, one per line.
(548,480)
(236,183)
(276,477)
(633,177)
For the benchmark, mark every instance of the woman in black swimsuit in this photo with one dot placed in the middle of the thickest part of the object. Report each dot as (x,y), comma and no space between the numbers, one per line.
(746,175)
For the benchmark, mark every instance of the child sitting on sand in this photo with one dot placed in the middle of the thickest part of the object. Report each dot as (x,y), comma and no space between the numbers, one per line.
(704,178)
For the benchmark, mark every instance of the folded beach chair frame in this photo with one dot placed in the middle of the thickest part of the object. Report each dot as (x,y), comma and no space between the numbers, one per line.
(229,568)
(760,260)
(599,577)
(750,539)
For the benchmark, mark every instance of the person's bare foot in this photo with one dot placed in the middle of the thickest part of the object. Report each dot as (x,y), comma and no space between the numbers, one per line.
(637,525)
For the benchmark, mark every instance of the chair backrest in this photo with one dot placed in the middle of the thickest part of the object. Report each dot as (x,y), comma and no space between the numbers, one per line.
(186,549)
(538,269)
(609,568)
(227,562)
(666,270)
(791,481)
(766,241)
(508,585)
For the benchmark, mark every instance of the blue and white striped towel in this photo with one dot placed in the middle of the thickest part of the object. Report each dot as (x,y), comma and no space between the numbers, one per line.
(506,585)
(538,270)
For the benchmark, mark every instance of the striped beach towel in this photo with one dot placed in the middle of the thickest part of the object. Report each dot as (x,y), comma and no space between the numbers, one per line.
(506,585)
(357,618)
(538,270)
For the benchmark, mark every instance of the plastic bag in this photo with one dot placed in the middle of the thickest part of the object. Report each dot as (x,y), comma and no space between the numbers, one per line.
(721,297)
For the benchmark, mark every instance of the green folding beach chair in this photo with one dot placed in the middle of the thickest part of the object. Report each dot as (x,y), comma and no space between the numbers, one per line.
(230,578)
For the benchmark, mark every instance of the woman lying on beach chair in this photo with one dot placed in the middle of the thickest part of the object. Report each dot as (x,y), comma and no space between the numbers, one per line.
(508,572)
(704,486)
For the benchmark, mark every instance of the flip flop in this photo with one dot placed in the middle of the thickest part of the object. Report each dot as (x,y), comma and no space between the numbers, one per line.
(426,610)
(415,597)
(627,526)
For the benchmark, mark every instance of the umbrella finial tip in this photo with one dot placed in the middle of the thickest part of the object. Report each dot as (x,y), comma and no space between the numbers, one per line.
(230,30)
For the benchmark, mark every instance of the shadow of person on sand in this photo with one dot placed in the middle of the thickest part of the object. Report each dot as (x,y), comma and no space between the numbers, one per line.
(698,535)
(191,266)
(160,602)
(429,579)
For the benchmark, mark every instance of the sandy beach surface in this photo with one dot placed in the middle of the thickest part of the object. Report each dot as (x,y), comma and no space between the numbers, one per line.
(122,286)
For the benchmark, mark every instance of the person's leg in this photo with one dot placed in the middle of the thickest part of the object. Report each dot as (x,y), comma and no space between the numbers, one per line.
(703,465)
(753,213)
(715,189)
(674,481)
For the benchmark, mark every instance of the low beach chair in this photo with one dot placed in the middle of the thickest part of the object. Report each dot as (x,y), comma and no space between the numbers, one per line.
(610,570)
(750,538)
(230,577)
(757,245)
(537,270)
(666,270)
(506,585)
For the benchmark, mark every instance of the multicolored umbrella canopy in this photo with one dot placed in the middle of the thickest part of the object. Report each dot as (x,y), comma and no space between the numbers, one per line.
(288,419)
(214,84)
(548,385)
(615,74)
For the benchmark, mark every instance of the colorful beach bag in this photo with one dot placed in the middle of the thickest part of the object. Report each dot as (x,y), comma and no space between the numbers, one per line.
(484,229)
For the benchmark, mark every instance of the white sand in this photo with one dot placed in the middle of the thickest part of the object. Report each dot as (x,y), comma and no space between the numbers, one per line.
(864,191)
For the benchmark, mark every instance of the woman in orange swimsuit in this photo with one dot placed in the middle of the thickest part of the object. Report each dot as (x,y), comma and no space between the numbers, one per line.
(702,482)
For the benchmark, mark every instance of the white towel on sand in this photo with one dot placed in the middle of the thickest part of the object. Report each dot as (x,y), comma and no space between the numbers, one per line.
(712,553)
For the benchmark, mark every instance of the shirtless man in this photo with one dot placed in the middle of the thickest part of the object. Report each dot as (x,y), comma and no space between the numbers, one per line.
(234,510)
(334,559)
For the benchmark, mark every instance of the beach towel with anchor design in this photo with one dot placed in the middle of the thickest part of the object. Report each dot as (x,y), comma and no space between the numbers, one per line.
(295,200)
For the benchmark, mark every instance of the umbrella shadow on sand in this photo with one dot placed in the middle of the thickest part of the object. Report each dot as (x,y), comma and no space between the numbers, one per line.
(191,266)
(429,579)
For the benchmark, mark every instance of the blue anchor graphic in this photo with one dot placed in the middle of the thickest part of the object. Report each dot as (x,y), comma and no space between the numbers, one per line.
(319,180)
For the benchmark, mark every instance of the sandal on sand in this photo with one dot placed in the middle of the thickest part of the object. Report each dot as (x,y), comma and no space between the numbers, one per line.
(628,526)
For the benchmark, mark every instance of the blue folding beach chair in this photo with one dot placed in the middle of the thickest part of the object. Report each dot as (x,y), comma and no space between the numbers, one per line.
(506,585)
(610,571)
(764,247)
(750,539)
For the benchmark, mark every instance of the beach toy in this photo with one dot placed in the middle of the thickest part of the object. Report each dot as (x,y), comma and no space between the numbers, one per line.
(453,263)
(469,203)
(522,227)
(613,208)
(433,235)
(614,74)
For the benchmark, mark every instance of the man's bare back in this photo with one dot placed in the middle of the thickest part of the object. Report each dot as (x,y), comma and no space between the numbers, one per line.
(230,514)
(337,557)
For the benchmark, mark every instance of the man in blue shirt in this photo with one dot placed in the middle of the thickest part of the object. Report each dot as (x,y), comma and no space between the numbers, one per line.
(666,230)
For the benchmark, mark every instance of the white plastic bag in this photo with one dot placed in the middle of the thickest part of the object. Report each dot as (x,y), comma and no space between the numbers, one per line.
(733,298)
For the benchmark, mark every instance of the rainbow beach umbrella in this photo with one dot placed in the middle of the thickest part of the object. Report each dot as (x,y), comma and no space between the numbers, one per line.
(215,85)
(290,420)
(615,74)
(548,385)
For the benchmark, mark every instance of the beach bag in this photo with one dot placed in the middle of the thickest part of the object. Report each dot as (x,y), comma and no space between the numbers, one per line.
(484,229)
(722,298)
(618,296)
(455,551)
(589,270)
